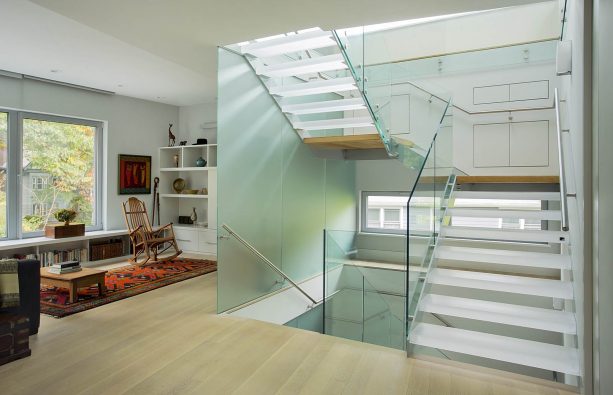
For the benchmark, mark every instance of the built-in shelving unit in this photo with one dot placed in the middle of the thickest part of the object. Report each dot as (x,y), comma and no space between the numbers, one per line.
(41,247)
(180,162)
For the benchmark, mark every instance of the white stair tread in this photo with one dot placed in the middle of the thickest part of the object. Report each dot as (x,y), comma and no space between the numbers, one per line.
(314,87)
(543,215)
(333,123)
(502,283)
(501,348)
(290,43)
(505,195)
(504,257)
(304,66)
(535,236)
(324,106)
(502,313)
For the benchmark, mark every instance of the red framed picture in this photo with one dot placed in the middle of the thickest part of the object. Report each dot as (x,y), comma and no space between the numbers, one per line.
(134,174)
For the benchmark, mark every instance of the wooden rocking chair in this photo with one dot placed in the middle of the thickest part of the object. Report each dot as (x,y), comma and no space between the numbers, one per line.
(146,241)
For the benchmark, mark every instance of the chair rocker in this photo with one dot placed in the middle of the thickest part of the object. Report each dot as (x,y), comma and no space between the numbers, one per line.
(147,243)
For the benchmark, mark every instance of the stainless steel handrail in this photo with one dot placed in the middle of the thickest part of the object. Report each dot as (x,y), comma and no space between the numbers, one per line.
(267,261)
(563,202)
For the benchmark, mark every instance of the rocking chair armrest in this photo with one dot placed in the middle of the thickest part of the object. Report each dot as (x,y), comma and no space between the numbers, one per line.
(138,231)
(163,228)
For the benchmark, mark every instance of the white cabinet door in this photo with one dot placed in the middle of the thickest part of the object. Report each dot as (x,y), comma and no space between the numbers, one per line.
(491,145)
(530,143)
(187,239)
(207,241)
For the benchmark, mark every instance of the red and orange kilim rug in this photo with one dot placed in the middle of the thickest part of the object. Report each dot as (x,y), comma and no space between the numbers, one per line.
(123,283)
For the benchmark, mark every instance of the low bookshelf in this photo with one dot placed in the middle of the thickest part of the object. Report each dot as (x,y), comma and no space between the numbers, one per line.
(49,251)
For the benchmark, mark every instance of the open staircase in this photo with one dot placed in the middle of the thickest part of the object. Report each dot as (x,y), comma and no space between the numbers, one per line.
(489,293)
(313,82)
(499,294)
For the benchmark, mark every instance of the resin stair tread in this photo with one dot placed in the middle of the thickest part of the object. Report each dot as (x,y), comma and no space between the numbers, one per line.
(324,106)
(504,257)
(340,123)
(501,348)
(502,283)
(543,215)
(502,313)
(343,84)
(505,195)
(535,236)
(304,66)
(290,43)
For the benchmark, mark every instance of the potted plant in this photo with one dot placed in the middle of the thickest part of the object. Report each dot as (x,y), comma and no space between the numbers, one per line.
(64,228)
(65,215)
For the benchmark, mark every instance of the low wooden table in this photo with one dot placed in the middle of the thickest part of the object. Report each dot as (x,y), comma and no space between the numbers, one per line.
(74,281)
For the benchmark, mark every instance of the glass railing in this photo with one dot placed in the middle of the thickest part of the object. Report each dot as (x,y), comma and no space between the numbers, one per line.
(406,115)
(426,208)
(354,44)
(246,276)
(364,299)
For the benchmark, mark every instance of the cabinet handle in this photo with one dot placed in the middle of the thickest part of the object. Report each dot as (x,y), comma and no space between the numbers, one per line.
(210,242)
(182,240)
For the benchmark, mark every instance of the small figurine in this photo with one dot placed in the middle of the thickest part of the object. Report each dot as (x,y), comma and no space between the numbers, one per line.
(176,159)
(171,137)
(183,142)
(194,216)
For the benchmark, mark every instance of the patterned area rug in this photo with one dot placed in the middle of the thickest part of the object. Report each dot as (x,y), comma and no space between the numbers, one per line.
(123,283)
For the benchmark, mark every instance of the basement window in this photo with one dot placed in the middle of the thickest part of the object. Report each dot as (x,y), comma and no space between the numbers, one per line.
(384,212)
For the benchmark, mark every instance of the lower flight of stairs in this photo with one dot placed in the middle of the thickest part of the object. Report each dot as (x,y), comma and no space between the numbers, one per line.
(482,299)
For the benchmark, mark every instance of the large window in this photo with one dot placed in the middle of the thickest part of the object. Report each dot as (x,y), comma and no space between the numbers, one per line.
(55,162)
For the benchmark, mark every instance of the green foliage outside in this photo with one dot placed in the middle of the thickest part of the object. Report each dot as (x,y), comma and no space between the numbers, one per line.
(64,155)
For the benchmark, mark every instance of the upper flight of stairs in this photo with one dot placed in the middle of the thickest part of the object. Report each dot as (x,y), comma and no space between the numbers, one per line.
(309,78)
(481,302)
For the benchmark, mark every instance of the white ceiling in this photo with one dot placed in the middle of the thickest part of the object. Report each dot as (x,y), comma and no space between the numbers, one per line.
(165,50)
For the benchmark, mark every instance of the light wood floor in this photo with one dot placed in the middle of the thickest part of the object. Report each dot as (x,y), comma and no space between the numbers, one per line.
(169,341)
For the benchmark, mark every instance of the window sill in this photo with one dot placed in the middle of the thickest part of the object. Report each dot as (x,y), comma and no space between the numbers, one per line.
(39,241)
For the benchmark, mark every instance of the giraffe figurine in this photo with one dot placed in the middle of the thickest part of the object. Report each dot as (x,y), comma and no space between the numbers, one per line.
(171,137)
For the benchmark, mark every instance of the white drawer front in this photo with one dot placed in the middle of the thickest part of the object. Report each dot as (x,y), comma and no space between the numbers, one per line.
(207,241)
(187,239)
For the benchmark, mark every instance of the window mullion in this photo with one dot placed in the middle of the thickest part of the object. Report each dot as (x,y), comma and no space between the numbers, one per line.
(13,174)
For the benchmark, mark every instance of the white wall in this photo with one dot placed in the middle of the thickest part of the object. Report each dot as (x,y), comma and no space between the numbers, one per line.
(132,126)
(198,121)
(515,154)
(602,163)
(575,110)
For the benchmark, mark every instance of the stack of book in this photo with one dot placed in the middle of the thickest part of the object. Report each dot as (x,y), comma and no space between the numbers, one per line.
(65,267)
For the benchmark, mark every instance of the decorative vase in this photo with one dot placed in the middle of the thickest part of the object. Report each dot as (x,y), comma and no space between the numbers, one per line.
(200,162)
(176,160)
(194,216)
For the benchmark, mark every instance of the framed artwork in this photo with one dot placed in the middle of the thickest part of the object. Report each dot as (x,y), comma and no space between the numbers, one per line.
(134,174)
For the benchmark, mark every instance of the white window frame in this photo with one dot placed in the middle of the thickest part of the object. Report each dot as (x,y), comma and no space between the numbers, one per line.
(39,181)
(15,168)
(364,228)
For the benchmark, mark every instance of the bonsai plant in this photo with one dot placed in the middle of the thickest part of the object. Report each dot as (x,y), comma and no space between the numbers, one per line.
(65,215)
